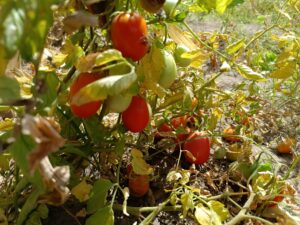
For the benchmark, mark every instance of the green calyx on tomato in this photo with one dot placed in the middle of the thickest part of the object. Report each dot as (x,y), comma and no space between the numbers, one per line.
(197,148)
(179,59)
(152,6)
(129,35)
(88,109)
(137,116)
(118,103)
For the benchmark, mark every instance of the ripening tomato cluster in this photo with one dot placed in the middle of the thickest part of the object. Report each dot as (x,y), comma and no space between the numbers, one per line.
(195,144)
(128,33)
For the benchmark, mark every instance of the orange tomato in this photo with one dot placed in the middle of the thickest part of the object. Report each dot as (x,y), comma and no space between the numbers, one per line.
(228,134)
(138,184)
(90,108)
(286,146)
(129,35)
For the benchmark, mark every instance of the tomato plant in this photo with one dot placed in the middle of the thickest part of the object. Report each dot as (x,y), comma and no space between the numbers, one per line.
(198,148)
(90,108)
(138,184)
(129,35)
(136,117)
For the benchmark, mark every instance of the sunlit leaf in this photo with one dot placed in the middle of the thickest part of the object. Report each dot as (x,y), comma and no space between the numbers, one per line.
(98,195)
(234,47)
(187,202)
(82,190)
(249,74)
(6,124)
(203,215)
(219,209)
(102,88)
(102,216)
(219,5)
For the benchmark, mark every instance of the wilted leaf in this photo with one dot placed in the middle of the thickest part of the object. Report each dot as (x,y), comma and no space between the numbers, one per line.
(203,215)
(126,196)
(69,55)
(102,216)
(56,180)
(78,19)
(82,190)
(179,37)
(46,134)
(249,74)
(138,163)
(187,202)
(219,209)
(261,182)
(98,195)
(9,89)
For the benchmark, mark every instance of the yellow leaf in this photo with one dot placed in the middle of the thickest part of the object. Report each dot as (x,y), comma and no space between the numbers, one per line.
(179,37)
(139,165)
(4,162)
(6,124)
(82,190)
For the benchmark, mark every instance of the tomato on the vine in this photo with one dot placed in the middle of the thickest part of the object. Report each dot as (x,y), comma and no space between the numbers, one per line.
(129,35)
(90,108)
(198,148)
(179,51)
(137,116)
(138,184)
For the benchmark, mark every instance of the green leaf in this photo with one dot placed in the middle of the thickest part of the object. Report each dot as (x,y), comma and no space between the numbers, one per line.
(19,151)
(100,89)
(103,216)
(219,5)
(49,93)
(9,89)
(98,195)
(249,74)
(30,204)
(219,209)
(95,129)
(234,47)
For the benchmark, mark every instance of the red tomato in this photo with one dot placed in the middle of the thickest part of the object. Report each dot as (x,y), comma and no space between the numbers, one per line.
(165,128)
(138,184)
(179,121)
(198,146)
(136,117)
(129,35)
(90,108)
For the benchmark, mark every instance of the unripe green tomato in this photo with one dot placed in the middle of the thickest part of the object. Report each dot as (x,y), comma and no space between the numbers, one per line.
(118,103)
(169,6)
(179,50)
(169,70)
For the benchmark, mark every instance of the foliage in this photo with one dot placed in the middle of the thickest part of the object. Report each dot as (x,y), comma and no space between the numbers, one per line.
(50,158)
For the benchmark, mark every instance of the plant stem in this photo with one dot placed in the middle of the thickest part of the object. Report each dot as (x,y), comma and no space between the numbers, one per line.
(261,34)
(203,43)
(241,215)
